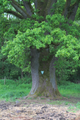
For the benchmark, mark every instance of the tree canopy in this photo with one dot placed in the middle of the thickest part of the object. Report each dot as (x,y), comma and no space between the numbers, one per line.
(56,34)
(40,25)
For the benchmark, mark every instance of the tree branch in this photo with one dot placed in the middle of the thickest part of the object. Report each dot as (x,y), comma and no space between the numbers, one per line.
(19,9)
(35,3)
(67,5)
(49,7)
(28,7)
(40,5)
(73,10)
(44,7)
(14,13)
(70,11)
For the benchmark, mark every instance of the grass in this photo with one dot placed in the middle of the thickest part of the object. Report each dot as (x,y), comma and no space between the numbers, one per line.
(20,88)
(75,107)
(68,89)
(57,102)
(13,89)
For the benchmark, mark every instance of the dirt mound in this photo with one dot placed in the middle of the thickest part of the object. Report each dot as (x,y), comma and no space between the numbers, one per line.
(78,118)
(35,110)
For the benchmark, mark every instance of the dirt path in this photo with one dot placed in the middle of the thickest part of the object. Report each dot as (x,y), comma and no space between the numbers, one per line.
(37,109)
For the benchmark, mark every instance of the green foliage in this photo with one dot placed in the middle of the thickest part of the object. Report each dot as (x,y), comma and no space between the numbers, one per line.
(6,69)
(16,89)
(75,75)
(26,80)
(68,89)
(13,89)
(78,105)
(77,17)
(60,35)
(40,35)
(74,108)
(65,68)
(58,6)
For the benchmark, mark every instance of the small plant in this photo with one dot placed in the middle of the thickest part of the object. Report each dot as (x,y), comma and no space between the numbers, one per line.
(66,103)
(75,107)
(71,108)
(42,98)
(78,105)
(55,103)
(69,89)
(12,91)
(29,98)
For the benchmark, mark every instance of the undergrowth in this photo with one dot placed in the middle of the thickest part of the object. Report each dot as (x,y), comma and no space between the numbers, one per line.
(69,89)
(12,90)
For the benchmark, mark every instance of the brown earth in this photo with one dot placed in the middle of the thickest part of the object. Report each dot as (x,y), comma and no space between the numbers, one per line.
(39,109)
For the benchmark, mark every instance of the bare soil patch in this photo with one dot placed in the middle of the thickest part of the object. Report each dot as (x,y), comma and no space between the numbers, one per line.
(37,109)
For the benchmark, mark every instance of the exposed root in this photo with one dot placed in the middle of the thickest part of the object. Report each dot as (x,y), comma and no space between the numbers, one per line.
(34,96)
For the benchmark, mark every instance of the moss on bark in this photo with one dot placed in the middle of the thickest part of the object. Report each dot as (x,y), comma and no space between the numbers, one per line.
(45,88)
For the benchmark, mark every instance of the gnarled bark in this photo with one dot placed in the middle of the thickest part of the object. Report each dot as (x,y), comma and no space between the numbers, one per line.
(49,7)
(44,7)
(14,13)
(67,5)
(19,9)
(70,10)
(73,10)
(43,85)
(34,70)
(52,71)
(27,6)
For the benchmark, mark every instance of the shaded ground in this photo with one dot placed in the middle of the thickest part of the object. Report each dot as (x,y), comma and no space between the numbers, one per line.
(38,109)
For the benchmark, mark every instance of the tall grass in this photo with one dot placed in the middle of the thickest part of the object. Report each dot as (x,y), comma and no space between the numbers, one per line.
(69,89)
(14,89)
(20,88)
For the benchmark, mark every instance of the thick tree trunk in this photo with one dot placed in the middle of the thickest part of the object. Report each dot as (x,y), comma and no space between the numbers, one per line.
(43,85)
(34,70)
(70,10)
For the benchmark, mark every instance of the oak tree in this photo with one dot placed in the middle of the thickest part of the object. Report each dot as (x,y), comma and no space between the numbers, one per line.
(41,32)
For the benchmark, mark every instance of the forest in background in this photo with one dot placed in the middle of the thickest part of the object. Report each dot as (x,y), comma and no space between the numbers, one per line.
(10,71)
(13,30)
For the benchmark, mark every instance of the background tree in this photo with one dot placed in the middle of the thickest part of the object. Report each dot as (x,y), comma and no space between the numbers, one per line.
(44,34)
(7,69)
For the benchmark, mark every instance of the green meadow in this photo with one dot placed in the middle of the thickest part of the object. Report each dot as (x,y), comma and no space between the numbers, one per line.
(11,90)
(16,89)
